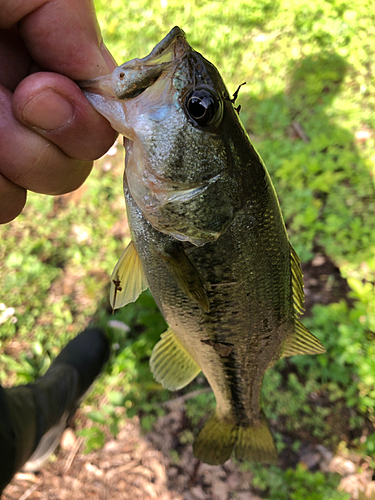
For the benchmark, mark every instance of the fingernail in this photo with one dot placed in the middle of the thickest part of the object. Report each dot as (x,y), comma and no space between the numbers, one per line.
(48,110)
(108,57)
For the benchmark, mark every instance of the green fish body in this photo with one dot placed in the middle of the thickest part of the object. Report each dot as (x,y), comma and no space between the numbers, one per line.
(208,239)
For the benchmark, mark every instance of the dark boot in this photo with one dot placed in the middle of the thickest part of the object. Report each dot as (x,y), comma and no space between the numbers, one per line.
(33,416)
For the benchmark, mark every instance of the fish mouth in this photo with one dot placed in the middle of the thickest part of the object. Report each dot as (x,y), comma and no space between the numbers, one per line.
(133,77)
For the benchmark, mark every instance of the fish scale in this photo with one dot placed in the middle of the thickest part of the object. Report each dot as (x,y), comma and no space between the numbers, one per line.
(208,239)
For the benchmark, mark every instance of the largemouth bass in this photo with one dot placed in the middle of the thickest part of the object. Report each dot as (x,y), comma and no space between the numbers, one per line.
(208,239)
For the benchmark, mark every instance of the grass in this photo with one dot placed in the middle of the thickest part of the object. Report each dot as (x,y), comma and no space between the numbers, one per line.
(309,107)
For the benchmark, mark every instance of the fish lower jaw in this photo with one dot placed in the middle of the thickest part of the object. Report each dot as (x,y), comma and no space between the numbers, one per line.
(197,242)
(190,234)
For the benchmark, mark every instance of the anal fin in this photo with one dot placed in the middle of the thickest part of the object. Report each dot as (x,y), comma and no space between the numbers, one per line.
(128,279)
(171,364)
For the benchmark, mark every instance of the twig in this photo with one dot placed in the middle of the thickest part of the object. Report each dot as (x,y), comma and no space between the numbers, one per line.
(299,130)
(29,492)
(187,396)
(72,455)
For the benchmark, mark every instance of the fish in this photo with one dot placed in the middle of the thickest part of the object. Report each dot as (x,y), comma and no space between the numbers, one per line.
(207,238)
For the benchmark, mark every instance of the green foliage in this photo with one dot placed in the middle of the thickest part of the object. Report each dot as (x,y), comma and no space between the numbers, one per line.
(199,408)
(54,270)
(94,437)
(134,351)
(298,484)
(369,448)
(315,393)
(129,384)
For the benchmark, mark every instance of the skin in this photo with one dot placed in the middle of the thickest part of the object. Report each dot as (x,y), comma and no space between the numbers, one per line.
(49,133)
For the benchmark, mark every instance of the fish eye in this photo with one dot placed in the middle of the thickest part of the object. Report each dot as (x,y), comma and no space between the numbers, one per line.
(203,107)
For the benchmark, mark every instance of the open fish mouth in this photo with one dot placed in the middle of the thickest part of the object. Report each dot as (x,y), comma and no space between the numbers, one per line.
(133,77)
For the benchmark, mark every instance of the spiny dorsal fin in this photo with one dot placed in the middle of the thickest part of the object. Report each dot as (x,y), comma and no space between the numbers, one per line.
(128,279)
(186,275)
(302,342)
(297,282)
(171,364)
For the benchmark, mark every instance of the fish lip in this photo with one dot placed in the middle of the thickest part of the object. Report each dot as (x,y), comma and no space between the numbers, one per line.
(101,85)
(125,82)
(175,37)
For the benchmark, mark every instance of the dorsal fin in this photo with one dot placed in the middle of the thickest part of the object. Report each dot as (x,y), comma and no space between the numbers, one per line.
(297,282)
(128,279)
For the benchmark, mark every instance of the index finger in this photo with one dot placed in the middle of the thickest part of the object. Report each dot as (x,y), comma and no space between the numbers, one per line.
(74,47)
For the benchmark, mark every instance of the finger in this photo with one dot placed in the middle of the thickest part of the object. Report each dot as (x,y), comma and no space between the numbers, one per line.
(62,35)
(31,161)
(12,200)
(56,108)
(13,49)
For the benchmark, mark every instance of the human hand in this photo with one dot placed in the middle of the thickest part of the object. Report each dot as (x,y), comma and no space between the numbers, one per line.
(49,133)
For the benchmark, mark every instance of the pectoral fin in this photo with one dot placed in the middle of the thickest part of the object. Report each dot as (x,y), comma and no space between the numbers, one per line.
(186,275)
(302,342)
(128,279)
(171,364)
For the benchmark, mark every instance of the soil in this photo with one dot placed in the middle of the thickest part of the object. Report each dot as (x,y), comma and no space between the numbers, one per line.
(136,466)
(323,283)
(130,467)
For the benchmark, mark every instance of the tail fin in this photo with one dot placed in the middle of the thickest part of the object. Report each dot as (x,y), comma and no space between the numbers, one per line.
(218,438)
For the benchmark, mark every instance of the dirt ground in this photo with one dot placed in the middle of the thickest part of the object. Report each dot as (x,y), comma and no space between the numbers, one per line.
(134,466)
(130,467)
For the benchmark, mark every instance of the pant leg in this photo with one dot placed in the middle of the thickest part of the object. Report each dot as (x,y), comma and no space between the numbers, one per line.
(28,412)
(17,424)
